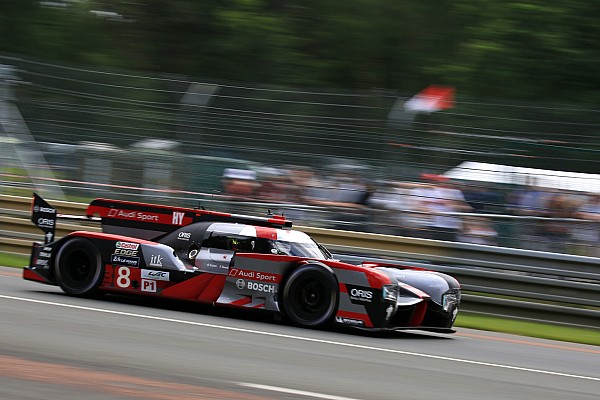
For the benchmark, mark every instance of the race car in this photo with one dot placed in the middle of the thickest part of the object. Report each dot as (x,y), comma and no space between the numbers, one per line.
(241,261)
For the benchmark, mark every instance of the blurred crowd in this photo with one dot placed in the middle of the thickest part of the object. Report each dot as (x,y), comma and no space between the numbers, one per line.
(433,207)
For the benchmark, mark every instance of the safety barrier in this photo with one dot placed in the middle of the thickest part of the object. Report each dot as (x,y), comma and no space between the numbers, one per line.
(517,283)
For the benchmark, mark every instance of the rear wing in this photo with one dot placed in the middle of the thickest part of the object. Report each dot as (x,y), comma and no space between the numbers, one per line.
(44,216)
(142,220)
(148,221)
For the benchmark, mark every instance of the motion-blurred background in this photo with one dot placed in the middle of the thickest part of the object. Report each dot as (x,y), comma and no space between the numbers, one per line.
(467,121)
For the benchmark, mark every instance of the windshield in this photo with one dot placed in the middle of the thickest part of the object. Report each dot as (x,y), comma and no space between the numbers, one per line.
(310,250)
(247,244)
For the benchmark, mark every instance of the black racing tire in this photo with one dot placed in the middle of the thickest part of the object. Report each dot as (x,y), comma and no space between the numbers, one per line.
(78,267)
(310,296)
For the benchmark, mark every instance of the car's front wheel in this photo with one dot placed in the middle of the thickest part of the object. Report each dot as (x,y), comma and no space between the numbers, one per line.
(78,267)
(310,296)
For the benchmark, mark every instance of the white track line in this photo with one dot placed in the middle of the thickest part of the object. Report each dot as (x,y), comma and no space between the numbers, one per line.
(301,338)
(294,391)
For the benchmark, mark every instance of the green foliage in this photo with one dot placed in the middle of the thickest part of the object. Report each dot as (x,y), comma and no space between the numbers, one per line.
(528,49)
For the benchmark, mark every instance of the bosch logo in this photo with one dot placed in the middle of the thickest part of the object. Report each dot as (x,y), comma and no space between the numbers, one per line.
(261,287)
(366,295)
(44,209)
(127,245)
(240,283)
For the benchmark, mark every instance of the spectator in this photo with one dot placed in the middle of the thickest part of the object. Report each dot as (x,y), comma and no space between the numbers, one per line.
(555,230)
(586,235)
(389,204)
(274,186)
(419,217)
(529,202)
(239,184)
(447,202)
(436,208)
(478,230)
(483,199)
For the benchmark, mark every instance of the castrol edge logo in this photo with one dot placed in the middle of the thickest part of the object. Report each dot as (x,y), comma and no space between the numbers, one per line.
(127,245)
(126,249)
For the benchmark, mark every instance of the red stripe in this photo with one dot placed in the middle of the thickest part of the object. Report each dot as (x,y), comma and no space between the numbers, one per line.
(110,236)
(264,232)
(242,302)
(33,276)
(418,314)
(205,287)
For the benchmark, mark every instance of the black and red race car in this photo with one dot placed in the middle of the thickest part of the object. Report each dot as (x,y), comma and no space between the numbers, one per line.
(238,261)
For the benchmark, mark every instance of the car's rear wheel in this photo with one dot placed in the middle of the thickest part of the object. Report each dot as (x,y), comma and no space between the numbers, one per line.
(310,296)
(78,267)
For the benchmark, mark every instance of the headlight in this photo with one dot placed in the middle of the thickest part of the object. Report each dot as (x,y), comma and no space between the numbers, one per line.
(390,292)
(450,300)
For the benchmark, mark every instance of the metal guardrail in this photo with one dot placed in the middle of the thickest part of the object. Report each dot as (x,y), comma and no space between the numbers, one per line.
(526,284)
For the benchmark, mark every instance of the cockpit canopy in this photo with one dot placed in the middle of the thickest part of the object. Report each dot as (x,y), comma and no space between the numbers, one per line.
(254,239)
(189,240)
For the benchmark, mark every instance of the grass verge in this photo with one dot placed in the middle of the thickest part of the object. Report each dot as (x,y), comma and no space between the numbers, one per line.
(464,319)
(13,260)
(527,328)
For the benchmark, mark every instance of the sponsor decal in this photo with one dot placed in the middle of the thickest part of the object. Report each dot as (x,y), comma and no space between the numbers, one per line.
(217,266)
(48,210)
(256,286)
(155,275)
(389,311)
(126,252)
(45,223)
(148,286)
(43,257)
(127,245)
(136,215)
(184,235)
(125,260)
(126,249)
(177,218)
(254,275)
(360,294)
(349,321)
(261,287)
(156,260)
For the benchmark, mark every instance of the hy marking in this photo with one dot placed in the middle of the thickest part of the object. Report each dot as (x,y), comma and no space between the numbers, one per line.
(301,338)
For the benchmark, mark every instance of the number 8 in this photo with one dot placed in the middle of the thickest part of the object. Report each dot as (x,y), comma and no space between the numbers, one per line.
(123,280)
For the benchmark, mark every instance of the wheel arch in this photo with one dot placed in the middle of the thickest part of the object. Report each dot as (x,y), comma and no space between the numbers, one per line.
(303,267)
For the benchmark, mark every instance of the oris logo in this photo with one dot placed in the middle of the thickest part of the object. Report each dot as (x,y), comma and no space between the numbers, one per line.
(361,295)
(184,235)
(45,222)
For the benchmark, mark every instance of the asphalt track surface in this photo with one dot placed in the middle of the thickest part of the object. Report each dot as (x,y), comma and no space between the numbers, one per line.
(57,347)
